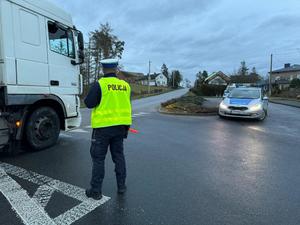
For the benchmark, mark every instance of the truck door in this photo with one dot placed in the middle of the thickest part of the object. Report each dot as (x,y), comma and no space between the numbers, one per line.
(30,49)
(63,76)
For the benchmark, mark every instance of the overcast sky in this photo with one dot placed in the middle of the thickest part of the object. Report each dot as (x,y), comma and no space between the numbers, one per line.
(194,35)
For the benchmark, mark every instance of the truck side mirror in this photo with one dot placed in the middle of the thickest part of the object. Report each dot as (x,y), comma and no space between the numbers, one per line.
(81,47)
(80,41)
(266,98)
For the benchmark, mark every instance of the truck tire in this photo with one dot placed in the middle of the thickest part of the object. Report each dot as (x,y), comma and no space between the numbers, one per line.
(42,128)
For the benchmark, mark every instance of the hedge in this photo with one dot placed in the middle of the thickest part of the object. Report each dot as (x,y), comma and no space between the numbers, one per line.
(209,90)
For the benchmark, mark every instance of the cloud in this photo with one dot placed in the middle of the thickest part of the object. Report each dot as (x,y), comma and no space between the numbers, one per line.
(195,35)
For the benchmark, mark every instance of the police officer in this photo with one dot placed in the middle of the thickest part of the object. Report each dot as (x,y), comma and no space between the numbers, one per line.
(111,119)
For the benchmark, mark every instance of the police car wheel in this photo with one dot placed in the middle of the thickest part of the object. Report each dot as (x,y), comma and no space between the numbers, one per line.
(222,117)
(262,118)
(42,128)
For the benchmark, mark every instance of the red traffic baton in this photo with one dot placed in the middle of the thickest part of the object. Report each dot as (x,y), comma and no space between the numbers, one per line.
(133,131)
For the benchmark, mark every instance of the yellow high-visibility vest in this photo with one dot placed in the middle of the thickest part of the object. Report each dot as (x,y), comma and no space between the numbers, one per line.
(115,106)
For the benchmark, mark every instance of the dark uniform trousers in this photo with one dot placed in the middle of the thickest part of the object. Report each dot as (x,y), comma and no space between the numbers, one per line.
(103,138)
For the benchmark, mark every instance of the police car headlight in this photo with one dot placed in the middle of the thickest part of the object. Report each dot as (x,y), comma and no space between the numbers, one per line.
(223,106)
(256,107)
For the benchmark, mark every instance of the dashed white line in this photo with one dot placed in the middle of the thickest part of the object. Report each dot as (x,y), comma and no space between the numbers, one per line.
(143,113)
(139,114)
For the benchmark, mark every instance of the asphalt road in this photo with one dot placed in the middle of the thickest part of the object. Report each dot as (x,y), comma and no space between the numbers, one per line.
(182,170)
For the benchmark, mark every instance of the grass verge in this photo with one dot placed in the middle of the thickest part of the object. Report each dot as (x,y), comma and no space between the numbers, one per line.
(189,103)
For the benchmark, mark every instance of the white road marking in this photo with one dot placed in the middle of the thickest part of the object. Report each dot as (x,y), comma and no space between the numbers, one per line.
(65,135)
(79,131)
(43,195)
(143,113)
(26,207)
(139,114)
(79,211)
(29,211)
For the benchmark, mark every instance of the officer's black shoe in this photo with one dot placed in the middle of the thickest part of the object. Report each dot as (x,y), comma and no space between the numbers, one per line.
(122,190)
(94,195)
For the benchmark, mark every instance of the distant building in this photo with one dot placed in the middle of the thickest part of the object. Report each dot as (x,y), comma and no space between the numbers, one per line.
(161,80)
(283,77)
(156,79)
(217,78)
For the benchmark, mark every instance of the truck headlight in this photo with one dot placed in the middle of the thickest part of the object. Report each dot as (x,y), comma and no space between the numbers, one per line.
(256,107)
(223,106)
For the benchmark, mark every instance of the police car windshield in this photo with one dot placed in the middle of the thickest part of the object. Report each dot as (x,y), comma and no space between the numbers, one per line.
(244,93)
(229,89)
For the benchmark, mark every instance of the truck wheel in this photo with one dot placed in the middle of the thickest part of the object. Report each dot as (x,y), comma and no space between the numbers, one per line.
(42,128)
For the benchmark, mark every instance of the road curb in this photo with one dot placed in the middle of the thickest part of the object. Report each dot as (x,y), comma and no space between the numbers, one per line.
(162,111)
(282,103)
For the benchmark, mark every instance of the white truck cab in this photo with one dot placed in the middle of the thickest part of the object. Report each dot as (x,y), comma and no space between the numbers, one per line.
(40,81)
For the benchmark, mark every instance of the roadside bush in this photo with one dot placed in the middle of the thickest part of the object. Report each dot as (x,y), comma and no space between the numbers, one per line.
(209,90)
(275,90)
(295,83)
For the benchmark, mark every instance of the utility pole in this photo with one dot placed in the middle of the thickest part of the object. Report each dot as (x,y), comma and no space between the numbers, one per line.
(270,76)
(149,77)
(173,76)
(89,63)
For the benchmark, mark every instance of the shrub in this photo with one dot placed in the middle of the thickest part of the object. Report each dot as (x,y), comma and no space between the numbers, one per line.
(209,90)
(295,83)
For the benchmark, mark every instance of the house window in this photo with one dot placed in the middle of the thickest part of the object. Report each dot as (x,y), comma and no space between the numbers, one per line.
(291,77)
(277,78)
(298,76)
(61,40)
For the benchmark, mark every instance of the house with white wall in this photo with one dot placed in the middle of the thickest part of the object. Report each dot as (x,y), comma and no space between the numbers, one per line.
(161,80)
(283,77)
(156,79)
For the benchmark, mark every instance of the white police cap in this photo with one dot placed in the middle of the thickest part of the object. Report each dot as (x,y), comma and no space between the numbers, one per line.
(109,63)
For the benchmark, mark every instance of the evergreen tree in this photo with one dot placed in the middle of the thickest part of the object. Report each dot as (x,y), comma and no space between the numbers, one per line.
(253,71)
(176,78)
(165,71)
(200,78)
(205,74)
(187,83)
(243,71)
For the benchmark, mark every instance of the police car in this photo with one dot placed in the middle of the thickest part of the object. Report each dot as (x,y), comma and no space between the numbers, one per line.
(244,103)
(228,90)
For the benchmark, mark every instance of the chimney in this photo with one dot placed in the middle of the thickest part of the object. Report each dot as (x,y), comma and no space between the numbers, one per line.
(287,65)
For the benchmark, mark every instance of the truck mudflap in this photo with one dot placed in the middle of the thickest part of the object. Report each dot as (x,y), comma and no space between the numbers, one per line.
(4,133)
